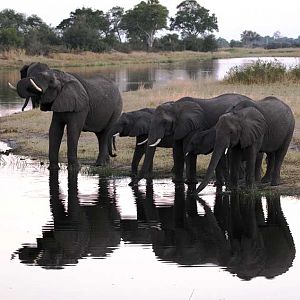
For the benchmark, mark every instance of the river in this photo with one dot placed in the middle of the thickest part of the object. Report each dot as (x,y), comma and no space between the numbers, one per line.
(89,237)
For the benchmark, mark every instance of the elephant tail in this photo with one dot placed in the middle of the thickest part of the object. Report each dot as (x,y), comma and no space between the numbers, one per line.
(112,146)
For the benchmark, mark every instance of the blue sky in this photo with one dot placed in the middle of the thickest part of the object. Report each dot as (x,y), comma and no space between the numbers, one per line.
(234,16)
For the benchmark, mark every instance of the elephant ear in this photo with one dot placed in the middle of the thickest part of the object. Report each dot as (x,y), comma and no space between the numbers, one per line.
(141,127)
(253,126)
(191,118)
(208,138)
(23,71)
(71,98)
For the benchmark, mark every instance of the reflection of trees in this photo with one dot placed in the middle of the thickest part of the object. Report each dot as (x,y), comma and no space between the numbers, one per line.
(76,232)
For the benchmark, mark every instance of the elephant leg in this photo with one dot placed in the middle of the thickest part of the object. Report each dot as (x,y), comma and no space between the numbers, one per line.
(250,167)
(139,151)
(73,134)
(75,123)
(103,156)
(258,163)
(178,158)
(235,162)
(191,163)
(270,159)
(56,132)
(279,156)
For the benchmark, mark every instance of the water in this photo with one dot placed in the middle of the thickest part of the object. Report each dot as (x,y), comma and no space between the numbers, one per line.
(131,77)
(87,237)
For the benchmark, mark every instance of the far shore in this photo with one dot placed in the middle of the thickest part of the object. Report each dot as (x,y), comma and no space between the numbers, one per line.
(14,59)
(29,130)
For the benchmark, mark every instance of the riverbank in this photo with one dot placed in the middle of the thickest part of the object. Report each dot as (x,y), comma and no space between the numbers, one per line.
(29,130)
(16,59)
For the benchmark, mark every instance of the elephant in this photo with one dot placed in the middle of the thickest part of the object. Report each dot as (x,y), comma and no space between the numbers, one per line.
(249,128)
(78,230)
(178,119)
(137,124)
(202,142)
(29,71)
(80,104)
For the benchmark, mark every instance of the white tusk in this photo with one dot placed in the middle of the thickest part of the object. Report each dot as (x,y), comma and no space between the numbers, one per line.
(35,86)
(11,86)
(142,143)
(226,150)
(117,134)
(186,154)
(156,143)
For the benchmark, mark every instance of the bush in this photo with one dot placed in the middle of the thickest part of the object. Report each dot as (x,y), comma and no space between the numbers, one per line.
(258,72)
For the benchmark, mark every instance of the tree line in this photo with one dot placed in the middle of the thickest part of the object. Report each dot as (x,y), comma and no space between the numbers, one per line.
(147,26)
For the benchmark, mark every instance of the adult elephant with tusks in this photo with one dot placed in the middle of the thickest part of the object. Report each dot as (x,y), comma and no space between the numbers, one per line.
(179,119)
(249,128)
(136,124)
(92,104)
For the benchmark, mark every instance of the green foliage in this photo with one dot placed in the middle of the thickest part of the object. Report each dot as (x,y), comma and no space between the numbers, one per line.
(143,21)
(262,72)
(250,38)
(193,20)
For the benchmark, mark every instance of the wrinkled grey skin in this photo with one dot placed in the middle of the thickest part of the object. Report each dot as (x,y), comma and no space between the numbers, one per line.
(252,127)
(179,118)
(29,71)
(92,104)
(137,124)
(202,142)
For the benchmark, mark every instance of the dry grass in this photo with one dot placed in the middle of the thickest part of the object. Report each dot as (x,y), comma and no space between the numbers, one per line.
(17,58)
(30,129)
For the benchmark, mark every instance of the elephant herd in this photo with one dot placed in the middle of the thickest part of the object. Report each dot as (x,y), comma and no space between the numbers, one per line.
(233,127)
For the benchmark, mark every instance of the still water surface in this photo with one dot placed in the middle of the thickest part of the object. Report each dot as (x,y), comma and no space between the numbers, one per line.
(86,237)
(131,77)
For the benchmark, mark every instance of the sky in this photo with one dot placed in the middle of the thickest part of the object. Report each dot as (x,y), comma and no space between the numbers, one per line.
(234,16)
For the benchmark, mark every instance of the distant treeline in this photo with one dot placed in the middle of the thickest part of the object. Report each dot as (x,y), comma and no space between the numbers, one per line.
(147,26)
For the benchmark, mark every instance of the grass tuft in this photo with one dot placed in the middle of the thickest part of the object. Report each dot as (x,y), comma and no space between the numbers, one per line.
(262,72)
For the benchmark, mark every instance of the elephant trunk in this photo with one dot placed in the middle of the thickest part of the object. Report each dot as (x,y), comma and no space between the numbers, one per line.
(219,150)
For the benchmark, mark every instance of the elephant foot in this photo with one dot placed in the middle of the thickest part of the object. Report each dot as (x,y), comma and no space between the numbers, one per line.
(53,167)
(74,167)
(275,182)
(177,180)
(102,162)
(134,182)
(265,179)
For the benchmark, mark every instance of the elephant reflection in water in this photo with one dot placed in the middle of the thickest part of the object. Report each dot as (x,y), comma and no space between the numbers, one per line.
(79,231)
(259,246)
(235,235)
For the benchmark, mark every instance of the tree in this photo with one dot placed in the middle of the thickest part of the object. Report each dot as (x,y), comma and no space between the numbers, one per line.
(143,21)
(249,38)
(86,29)
(12,26)
(115,15)
(193,20)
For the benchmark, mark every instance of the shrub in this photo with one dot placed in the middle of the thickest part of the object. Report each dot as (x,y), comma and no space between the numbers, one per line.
(258,72)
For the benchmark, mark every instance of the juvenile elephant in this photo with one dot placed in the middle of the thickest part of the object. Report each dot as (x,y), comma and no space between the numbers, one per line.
(137,124)
(249,128)
(178,119)
(92,104)
(202,142)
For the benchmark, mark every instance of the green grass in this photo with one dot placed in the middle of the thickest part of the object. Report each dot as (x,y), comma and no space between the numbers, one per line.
(262,72)
(30,129)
